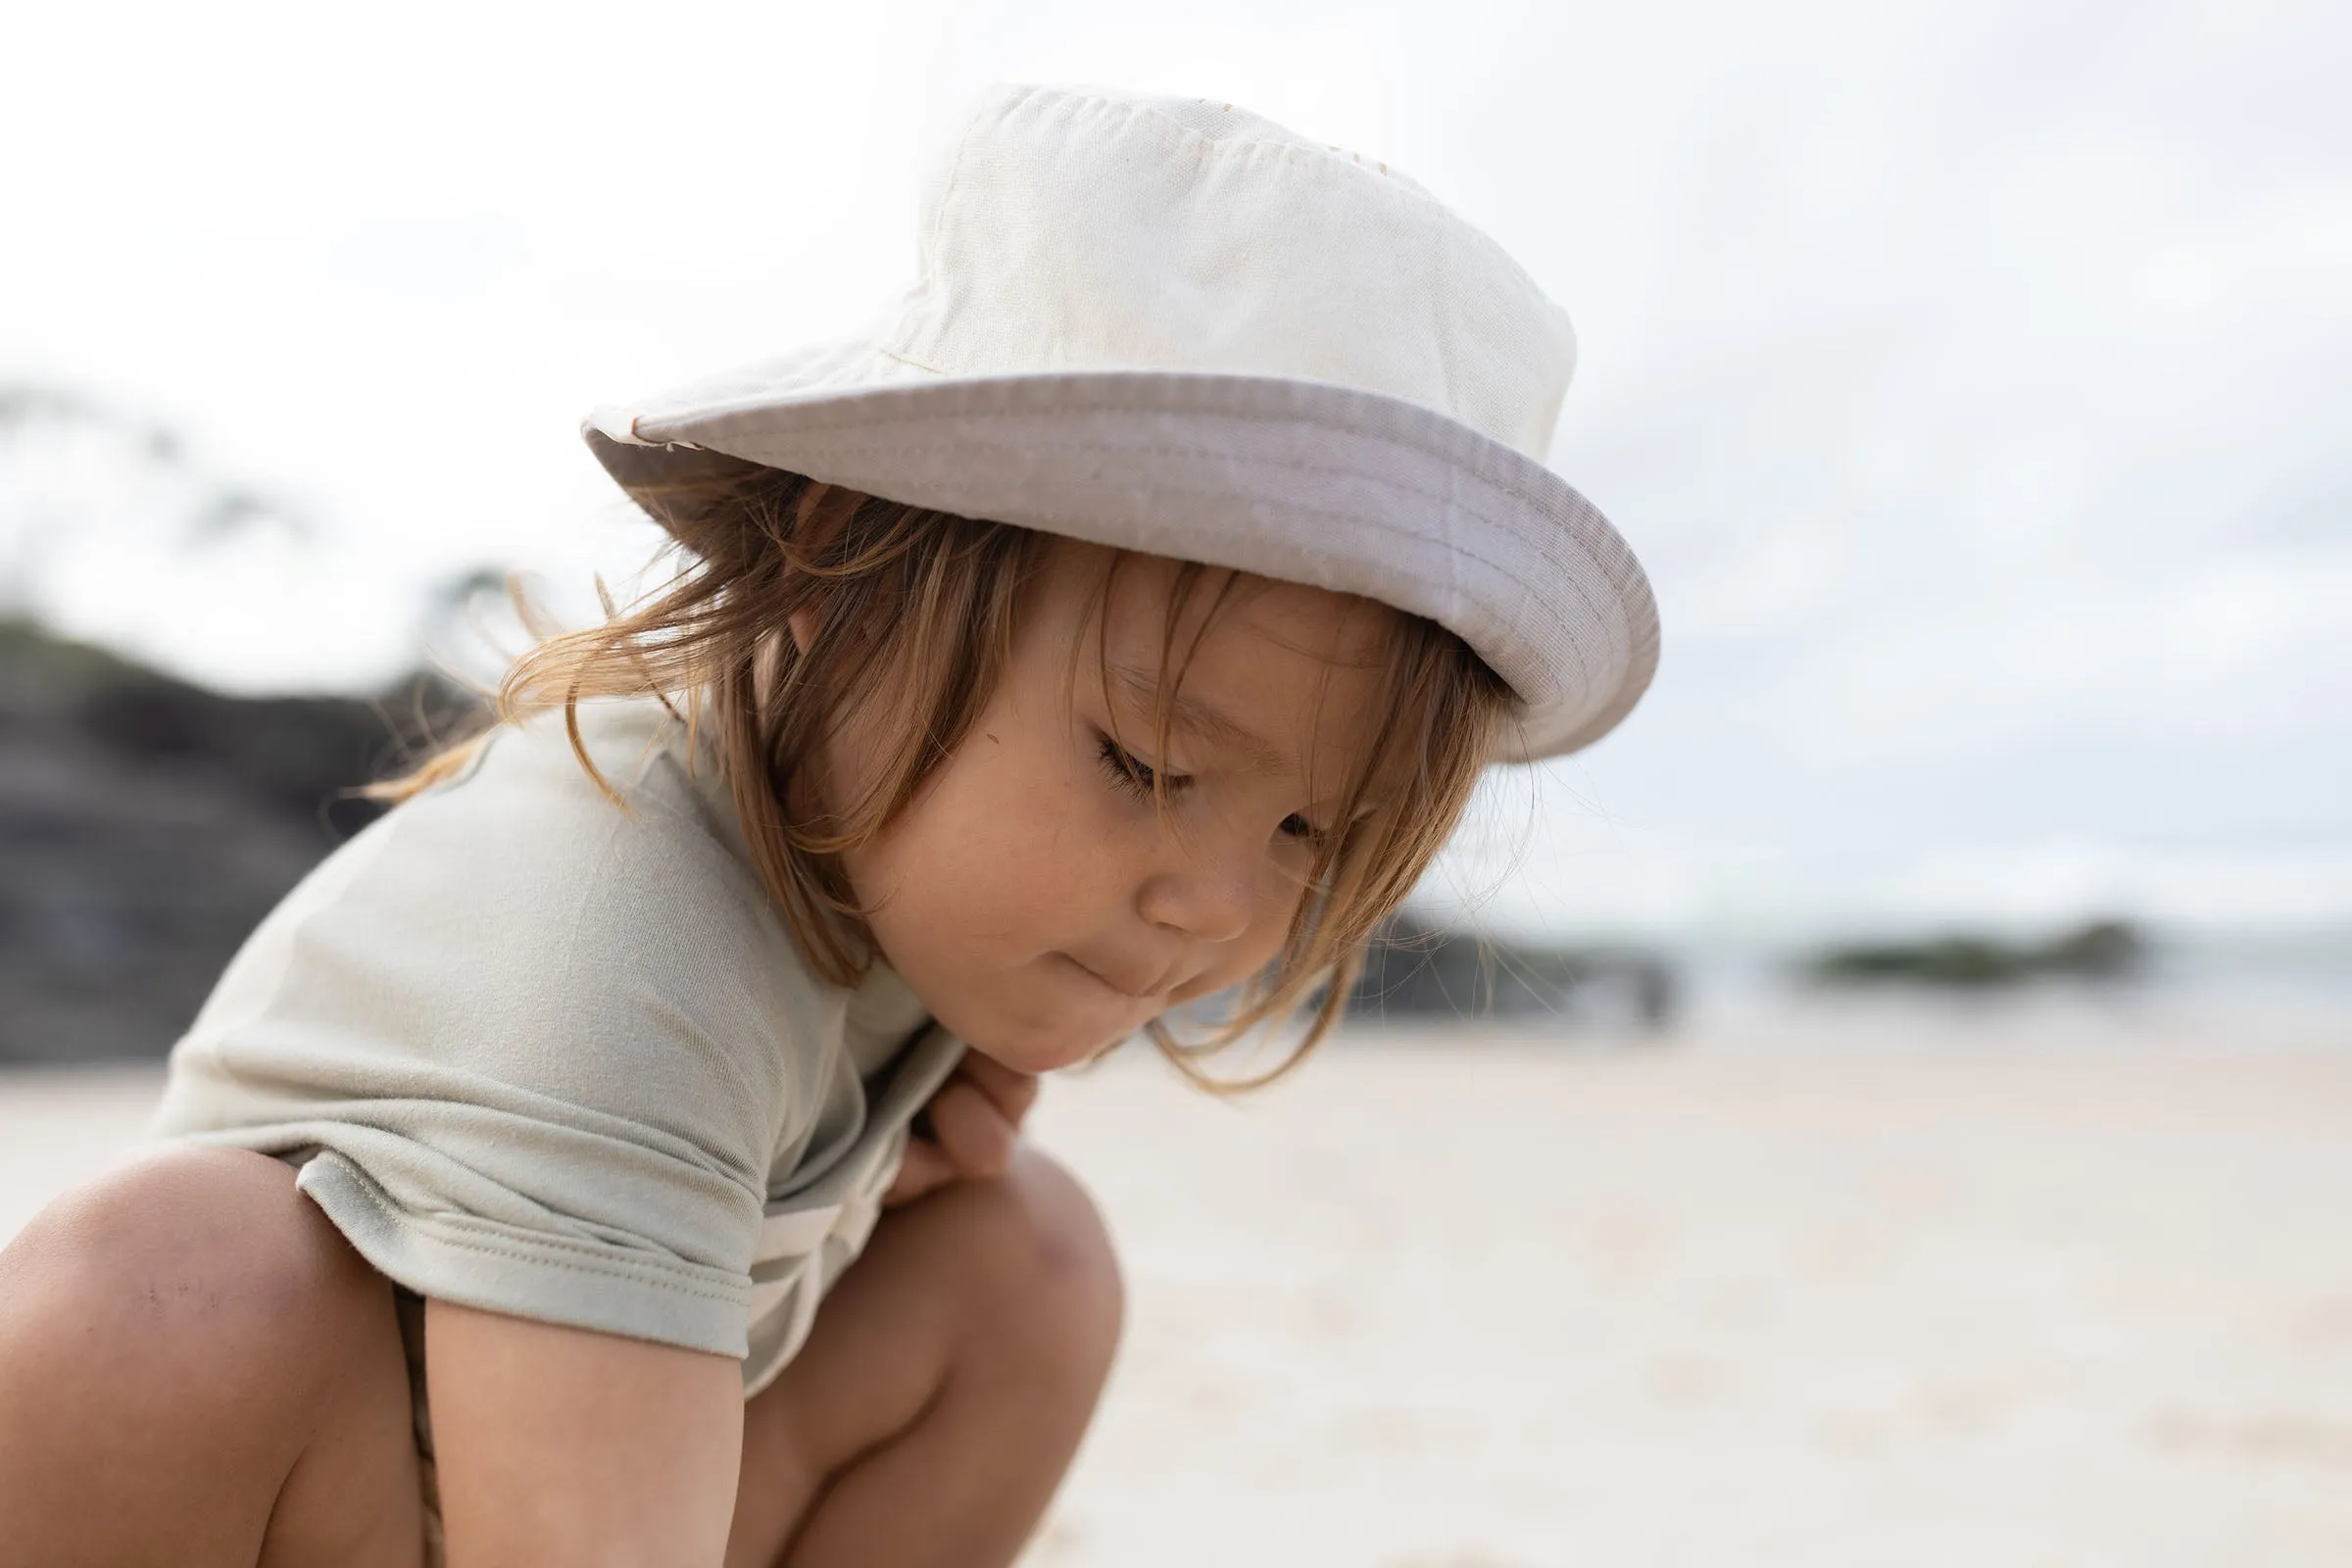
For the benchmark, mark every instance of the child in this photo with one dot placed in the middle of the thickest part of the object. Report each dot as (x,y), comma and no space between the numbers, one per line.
(511,1177)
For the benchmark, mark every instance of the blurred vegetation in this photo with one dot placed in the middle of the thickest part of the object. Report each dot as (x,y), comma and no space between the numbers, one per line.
(2104,950)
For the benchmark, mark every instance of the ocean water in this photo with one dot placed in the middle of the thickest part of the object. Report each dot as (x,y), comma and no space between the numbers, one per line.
(2296,987)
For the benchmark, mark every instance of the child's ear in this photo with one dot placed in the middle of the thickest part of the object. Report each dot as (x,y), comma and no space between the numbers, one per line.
(802,623)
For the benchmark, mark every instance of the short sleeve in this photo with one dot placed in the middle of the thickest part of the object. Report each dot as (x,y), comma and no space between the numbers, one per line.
(533,1051)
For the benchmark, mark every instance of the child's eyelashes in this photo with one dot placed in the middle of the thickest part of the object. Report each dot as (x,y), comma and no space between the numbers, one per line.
(1134,776)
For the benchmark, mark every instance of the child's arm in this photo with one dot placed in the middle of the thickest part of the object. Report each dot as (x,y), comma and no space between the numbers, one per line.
(967,1130)
(562,1446)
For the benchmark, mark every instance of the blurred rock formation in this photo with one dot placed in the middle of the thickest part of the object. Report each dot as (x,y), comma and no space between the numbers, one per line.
(2102,949)
(146,825)
(1418,968)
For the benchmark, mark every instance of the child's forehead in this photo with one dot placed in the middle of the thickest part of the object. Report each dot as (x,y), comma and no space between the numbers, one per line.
(1213,611)
(1275,678)
(1197,715)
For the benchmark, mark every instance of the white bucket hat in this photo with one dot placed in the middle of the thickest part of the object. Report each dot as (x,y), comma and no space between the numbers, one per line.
(1170,325)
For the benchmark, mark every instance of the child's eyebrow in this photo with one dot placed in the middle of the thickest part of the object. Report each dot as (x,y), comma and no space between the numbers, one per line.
(1202,720)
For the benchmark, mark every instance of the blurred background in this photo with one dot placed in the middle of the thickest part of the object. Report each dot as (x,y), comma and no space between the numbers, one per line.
(1971,378)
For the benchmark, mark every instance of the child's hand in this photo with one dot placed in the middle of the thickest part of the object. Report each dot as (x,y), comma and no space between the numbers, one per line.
(967,1130)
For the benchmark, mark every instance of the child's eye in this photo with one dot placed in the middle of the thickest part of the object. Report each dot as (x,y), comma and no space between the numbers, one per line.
(1132,773)
(1136,776)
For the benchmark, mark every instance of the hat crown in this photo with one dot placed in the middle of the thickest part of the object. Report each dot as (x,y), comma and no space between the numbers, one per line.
(1071,229)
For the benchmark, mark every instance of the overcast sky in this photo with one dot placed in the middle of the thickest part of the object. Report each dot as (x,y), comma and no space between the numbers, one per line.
(1970,378)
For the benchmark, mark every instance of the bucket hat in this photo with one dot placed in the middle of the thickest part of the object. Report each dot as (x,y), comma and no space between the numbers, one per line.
(1172,326)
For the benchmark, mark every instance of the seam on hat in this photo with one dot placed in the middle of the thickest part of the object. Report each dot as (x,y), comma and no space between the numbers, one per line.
(1330,170)
(1615,560)
(1318,162)
(1433,497)
(889,353)
(1319,159)
(1583,662)
(1540,546)
(927,249)
(707,416)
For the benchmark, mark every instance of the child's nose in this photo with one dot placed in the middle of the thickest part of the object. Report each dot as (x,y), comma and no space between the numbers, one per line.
(1208,901)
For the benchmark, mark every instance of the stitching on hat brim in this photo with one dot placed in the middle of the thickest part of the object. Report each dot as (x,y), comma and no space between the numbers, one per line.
(841,397)
(1642,640)
(866,408)
(1356,519)
(1540,546)
(1642,649)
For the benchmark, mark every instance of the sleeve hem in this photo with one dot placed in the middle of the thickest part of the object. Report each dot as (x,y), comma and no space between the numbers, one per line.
(546,1279)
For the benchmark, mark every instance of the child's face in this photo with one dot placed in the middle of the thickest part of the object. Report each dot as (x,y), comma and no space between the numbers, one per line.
(1034,897)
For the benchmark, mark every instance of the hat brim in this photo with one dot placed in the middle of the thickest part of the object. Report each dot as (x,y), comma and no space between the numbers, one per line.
(1306,482)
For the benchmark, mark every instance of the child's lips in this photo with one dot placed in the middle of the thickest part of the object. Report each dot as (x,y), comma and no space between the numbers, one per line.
(1152,992)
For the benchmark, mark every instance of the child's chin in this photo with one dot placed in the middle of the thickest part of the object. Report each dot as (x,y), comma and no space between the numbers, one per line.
(1043,1051)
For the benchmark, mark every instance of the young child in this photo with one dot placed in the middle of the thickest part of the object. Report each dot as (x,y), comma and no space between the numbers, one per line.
(509,1183)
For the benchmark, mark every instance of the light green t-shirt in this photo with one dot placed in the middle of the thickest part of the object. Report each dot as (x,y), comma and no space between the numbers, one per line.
(541,1055)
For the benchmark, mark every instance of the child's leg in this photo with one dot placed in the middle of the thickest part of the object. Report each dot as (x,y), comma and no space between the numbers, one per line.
(196,1369)
(944,1386)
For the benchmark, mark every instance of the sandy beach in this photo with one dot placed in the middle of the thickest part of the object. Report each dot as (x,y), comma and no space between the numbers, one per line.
(2011,1295)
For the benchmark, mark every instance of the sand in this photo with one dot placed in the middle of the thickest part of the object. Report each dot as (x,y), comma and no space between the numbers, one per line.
(1993,1298)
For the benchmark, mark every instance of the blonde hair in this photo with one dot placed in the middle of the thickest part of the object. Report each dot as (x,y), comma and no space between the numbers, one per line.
(923,605)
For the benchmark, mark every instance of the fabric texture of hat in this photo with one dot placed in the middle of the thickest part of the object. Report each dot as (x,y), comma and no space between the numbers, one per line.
(1171,326)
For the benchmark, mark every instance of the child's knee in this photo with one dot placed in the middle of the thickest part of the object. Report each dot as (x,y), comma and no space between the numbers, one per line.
(1048,1274)
(193,1256)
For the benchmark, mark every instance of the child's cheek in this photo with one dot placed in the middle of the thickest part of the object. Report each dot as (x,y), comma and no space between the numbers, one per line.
(1013,831)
